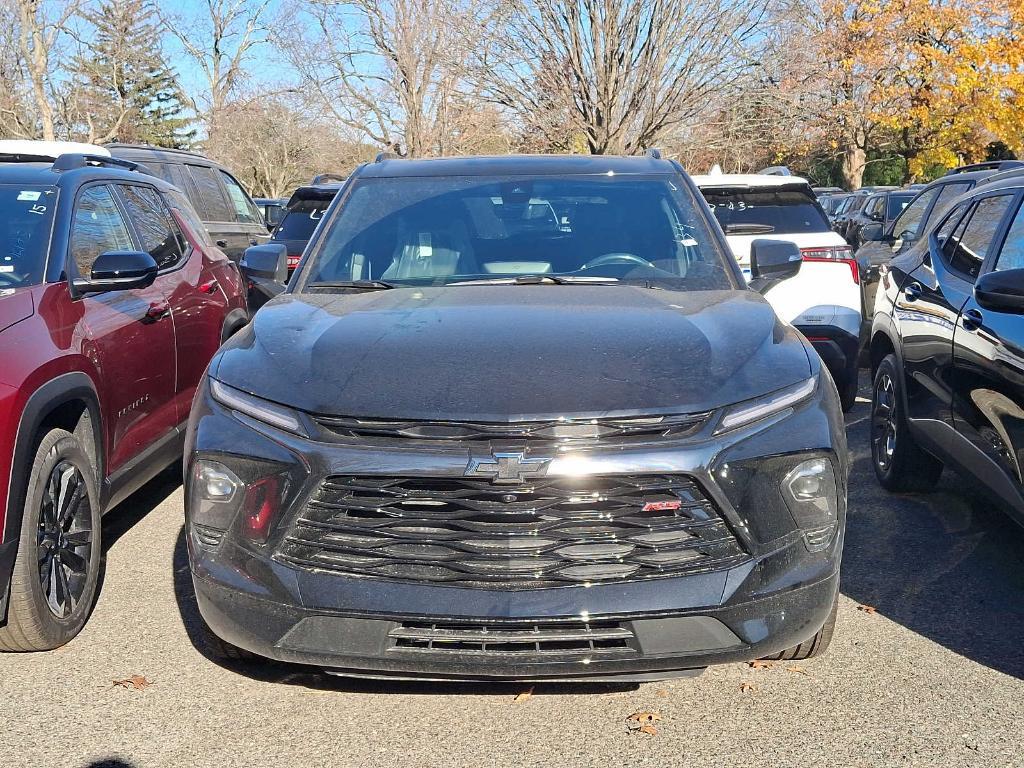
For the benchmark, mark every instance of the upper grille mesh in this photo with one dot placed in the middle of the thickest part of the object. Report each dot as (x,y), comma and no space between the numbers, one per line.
(548,532)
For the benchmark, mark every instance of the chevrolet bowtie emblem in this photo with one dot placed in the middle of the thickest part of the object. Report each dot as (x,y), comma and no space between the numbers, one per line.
(507,468)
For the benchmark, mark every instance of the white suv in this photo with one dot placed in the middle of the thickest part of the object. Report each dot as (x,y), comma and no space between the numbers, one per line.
(825,300)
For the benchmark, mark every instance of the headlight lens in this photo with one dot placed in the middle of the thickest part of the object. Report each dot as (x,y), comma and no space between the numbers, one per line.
(747,412)
(811,493)
(218,497)
(214,495)
(263,410)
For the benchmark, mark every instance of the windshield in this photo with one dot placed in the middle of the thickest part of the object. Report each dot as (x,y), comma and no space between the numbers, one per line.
(743,211)
(301,219)
(437,231)
(26,214)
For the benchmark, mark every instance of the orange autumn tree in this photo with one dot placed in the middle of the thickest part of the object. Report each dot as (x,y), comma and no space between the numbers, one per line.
(934,81)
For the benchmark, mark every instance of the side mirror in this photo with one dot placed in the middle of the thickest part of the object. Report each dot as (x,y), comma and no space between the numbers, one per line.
(772,261)
(266,262)
(119,271)
(1001,291)
(871,233)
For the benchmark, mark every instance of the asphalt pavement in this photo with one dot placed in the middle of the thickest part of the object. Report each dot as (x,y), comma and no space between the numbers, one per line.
(926,669)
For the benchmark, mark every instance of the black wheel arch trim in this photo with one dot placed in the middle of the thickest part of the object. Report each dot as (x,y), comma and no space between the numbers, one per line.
(62,389)
(235,320)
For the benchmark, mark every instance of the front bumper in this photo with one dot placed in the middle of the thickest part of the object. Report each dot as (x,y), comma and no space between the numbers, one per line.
(661,645)
(778,598)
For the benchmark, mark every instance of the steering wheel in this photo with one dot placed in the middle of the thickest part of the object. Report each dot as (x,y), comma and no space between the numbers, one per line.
(617,258)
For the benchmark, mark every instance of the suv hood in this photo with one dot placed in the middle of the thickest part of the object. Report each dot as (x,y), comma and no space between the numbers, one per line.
(15,305)
(513,353)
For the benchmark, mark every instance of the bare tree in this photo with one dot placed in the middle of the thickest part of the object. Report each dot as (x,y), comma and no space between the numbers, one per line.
(273,147)
(627,73)
(40,26)
(393,70)
(220,40)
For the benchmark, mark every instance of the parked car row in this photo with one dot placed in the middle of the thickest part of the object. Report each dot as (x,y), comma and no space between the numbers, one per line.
(505,418)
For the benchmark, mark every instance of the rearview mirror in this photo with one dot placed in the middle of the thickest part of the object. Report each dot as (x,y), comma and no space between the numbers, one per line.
(266,262)
(871,233)
(772,261)
(1001,291)
(119,271)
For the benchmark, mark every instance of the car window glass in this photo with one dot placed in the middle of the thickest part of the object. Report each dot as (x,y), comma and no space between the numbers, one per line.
(211,205)
(181,204)
(153,224)
(947,193)
(965,250)
(98,227)
(906,225)
(1011,256)
(244,209)
(744,210)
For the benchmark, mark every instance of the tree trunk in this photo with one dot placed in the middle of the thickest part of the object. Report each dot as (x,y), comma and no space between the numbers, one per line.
(854,160)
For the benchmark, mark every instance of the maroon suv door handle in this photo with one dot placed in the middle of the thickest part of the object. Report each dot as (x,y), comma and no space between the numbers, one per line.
(209,287)
(157,311)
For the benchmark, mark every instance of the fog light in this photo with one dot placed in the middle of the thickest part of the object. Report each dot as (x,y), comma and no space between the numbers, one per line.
(214,495)
(812,496)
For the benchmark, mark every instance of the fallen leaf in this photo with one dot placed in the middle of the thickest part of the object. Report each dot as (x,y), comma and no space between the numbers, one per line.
(661,693)
(135,682)
(867,608)
(645,717)
(524,695)
(650,730)
(746,687)
(798,670)
(760,664)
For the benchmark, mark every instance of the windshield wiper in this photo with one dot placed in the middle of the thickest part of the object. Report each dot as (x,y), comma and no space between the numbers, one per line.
(748,229)
(365,285)
(539,279)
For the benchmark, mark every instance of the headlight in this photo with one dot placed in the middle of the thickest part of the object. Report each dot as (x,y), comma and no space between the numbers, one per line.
(811,493)
(262,410)
(744,413)
(217,497)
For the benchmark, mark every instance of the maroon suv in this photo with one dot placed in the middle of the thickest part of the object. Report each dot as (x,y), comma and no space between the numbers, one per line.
(113,299)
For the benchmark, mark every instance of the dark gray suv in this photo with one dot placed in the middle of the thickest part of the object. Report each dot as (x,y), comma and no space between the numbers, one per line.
(518,417)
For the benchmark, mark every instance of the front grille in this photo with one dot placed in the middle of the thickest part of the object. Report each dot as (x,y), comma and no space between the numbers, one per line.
(515,639)
(556,430)
(549,532)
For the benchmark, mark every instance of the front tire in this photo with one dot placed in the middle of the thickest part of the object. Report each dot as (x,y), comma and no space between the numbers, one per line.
(900,463)
(817,645)
(57,571)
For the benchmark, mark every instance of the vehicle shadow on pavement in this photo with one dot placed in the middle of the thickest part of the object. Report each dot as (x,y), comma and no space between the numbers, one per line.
(132,510)
(948,565)
(269,671)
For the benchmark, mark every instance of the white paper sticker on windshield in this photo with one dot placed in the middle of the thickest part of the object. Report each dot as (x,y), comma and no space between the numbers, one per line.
(6,267)
(29,194)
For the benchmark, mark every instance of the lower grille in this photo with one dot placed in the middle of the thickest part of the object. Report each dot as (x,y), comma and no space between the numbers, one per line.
(528,640)
(548,532)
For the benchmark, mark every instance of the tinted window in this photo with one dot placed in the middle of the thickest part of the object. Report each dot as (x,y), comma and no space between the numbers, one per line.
(431,231)
(181,204)
(947,193)
(1011,256)
(244,209)
(98,227)
(966,249)
(301,219)
(26,217)
(153,224)
(907,224)
(211,205)
(896,204)
(743,211)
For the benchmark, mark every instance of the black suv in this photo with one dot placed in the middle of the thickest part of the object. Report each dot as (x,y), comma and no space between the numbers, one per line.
(231,217)
(946,349)
(518,417)
(303,212)
(880,208)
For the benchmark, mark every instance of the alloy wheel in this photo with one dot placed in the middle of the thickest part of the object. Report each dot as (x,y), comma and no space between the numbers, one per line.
(883,422)
(64,538)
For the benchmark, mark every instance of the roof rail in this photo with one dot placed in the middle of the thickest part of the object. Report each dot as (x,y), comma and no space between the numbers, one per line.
(73,160)
(325,178)
(990,165)
(653,152)
(775,170)
(382,156)
(995,178)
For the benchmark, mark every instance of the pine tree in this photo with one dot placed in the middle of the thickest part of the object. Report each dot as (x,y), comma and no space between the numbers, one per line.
(126,91)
